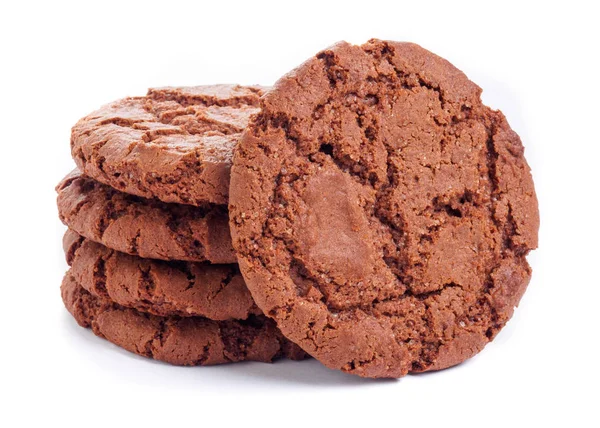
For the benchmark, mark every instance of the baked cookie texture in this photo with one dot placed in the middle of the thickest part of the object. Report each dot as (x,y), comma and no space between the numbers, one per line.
(158,287)
(174,144)
(144,227)
(380,212)
(188,341)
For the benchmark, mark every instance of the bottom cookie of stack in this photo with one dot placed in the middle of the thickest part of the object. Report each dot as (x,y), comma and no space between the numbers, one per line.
(178,340)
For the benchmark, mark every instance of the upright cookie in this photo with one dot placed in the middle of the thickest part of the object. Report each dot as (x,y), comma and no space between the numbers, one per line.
(162,288)
(181,341)
(144,227)
(381,213)
(174,144)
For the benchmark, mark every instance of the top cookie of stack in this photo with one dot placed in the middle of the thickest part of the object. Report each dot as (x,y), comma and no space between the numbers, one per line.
(175,144)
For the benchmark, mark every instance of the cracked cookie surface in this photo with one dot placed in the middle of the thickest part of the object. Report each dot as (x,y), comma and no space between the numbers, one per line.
(175,144)
(162,288)
(381,213)
(144,227)
(175,340)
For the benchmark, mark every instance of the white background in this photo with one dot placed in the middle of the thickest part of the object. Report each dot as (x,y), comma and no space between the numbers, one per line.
(58,62)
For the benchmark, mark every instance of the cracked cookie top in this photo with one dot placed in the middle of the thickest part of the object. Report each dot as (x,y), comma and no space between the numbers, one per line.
(175,144)
(380,212)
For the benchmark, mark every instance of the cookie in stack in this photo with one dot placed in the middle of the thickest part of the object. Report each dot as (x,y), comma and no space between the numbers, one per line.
(152,268)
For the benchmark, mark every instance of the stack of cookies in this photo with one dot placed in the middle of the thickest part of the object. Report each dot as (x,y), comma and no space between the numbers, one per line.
(152,268)
(367,210)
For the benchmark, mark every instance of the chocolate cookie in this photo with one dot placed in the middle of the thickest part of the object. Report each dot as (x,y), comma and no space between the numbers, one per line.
(381,213)
(162,288)
(144,227)
(182,341)
(174,144)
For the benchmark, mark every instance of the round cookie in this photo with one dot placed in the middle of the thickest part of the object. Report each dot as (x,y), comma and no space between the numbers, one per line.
(217,292)
(174,144)
(144,227)
(181,341)
(380,212)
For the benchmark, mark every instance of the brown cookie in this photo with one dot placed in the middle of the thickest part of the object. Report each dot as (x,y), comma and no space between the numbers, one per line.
(381,213)
(162,288)
(144,227)
(181,341)
(174,144)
